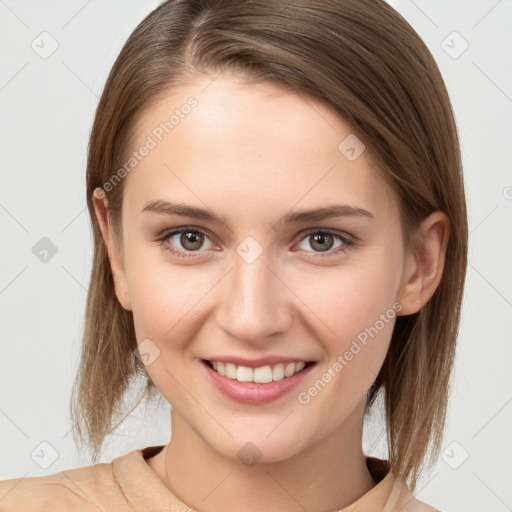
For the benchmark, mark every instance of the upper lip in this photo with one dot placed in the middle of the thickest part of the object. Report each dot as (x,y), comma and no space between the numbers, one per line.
(256,363)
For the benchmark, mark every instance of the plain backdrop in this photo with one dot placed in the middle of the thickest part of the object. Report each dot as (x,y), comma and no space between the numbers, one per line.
(55,57)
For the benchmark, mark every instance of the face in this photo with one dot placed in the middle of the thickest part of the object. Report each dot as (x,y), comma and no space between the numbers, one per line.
(258,284)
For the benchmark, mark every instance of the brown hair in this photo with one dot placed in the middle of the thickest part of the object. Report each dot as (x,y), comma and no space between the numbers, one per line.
(367,63)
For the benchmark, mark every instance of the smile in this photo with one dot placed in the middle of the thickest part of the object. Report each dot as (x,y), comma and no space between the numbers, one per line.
(250,391)
(260,375)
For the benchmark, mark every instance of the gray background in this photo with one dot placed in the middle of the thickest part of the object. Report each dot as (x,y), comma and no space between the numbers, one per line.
(47,105)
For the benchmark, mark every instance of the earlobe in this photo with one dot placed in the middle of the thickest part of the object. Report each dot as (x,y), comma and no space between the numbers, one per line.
(423,271)
(117,265)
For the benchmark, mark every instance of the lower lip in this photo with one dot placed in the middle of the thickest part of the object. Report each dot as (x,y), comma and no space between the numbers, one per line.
(251,392)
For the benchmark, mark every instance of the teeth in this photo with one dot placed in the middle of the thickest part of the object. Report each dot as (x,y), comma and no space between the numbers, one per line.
(260,375)
(230,370)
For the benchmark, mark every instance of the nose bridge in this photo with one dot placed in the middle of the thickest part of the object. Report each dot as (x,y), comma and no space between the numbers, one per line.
(254,304)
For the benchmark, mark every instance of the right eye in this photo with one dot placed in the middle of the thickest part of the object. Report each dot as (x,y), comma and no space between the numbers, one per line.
(191,239)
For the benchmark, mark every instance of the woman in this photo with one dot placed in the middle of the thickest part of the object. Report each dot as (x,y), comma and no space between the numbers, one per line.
(280,235)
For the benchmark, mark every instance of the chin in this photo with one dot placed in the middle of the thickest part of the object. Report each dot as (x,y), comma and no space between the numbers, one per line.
(258,449)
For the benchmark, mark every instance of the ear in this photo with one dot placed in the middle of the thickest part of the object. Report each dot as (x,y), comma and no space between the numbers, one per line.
(423,271)
(114,252)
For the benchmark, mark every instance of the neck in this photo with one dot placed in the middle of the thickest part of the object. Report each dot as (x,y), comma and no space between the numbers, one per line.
(319,478)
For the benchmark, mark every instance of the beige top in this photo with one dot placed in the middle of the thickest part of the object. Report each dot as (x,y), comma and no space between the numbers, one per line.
(128,483)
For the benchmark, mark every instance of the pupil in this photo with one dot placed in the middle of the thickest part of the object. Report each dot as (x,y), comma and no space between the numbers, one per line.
(191,238)
(322,237)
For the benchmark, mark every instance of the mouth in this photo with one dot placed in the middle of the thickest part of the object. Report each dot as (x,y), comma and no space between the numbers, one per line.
(256,386)
(260,375)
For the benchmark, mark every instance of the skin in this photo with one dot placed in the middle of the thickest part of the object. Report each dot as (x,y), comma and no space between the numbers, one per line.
(252,153)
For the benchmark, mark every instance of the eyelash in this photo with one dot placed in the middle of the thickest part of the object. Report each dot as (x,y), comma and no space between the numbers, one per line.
(348,243)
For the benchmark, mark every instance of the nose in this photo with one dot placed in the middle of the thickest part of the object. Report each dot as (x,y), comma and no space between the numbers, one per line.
(255,302)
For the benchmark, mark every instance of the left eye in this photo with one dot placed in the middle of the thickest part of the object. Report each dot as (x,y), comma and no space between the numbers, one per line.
(323,240)
(193,239)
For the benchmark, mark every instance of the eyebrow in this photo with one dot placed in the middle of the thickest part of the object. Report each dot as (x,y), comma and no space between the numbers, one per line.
(163,207)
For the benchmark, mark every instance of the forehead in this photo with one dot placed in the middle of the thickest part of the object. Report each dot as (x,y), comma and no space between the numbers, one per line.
(248,147)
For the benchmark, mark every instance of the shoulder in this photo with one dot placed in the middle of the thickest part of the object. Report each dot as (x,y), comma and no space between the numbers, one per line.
(390,493)
(401,498)
(415,505)
(80,489)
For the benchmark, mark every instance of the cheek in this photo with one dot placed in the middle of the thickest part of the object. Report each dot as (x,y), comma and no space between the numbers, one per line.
(354,316)
(345,301)
(166,298)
